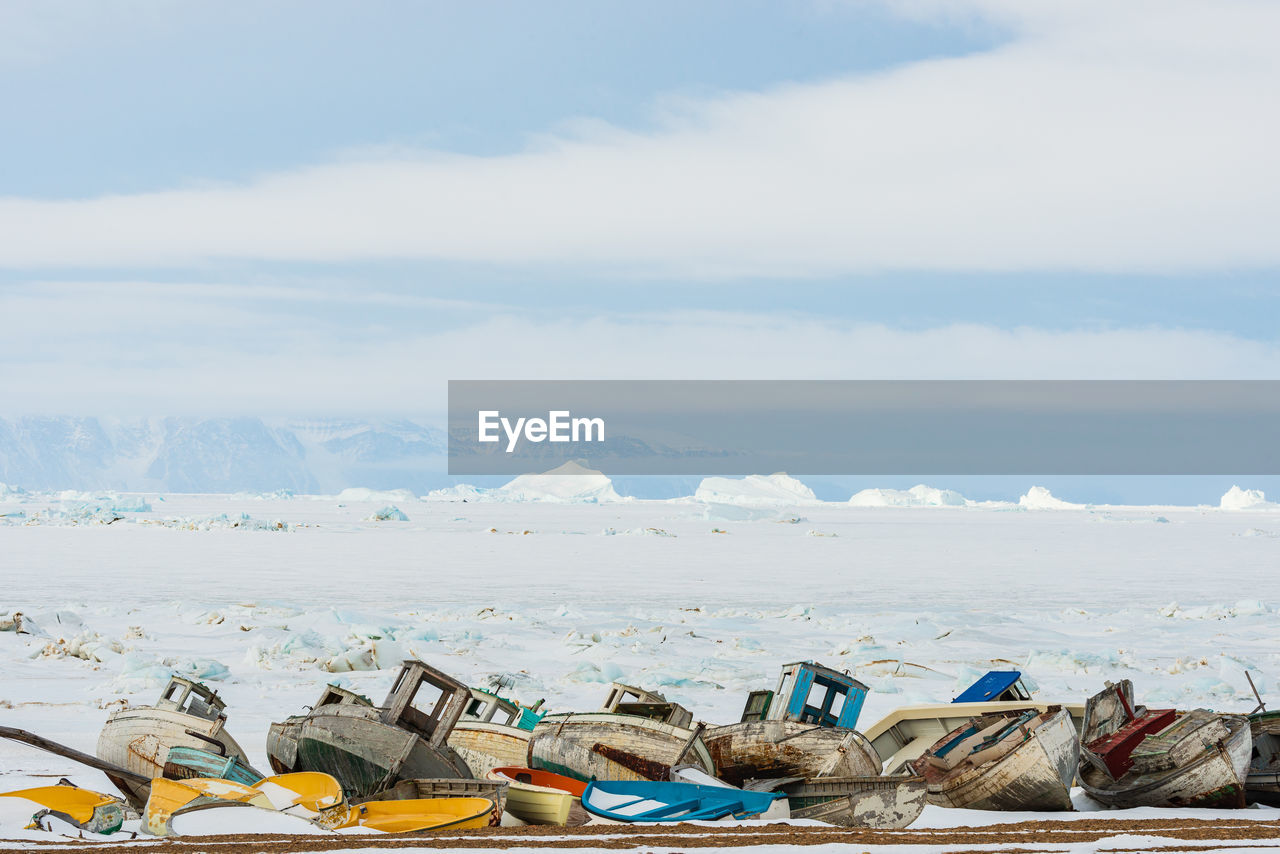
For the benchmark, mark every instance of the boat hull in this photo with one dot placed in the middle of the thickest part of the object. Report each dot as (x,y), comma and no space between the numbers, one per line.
(763,750)
(443,787)
(1215,779)
(1034,776)
(863,801)
(485,745)
(542,797)
(139,740)
(605,746)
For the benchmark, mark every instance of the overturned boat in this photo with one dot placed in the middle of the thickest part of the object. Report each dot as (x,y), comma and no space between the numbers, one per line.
(494,731)
(1132,756)
(637,735)
(903,735)
(1016,761)
(187,714)
(864,801)
(370,748)
(803,728)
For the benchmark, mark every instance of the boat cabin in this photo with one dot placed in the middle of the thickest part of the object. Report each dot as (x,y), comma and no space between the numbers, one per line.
(425,701)
(191,698)
(335,696)
(488,707)
(629,700)
(807,692)
(997,686)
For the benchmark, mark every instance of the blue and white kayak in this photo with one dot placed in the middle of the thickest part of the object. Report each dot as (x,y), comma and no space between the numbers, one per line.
(644,801)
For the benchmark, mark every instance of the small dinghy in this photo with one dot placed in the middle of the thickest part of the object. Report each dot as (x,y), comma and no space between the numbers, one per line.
(87,810)
(635,801)
(1015,761)
(314,796)
(542,797)
(170,798)
(185,763)
(444,787)
(416,815)
(1132,756)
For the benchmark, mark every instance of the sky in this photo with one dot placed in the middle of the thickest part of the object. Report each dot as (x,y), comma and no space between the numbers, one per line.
(333,208)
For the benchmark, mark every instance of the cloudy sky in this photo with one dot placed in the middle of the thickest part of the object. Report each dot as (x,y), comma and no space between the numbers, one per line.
(333,208)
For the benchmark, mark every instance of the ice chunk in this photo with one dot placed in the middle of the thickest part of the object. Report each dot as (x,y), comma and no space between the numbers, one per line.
(774,489)
(390,513)
(571,483)
(360,493)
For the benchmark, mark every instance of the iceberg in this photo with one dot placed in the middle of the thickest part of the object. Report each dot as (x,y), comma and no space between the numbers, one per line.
(1236,498)
(1039,498)
(571,483)
(917,496)
(779,488)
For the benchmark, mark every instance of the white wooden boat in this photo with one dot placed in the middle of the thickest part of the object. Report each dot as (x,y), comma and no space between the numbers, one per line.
(1132,756)
(1016,761)
(865,801)
(494,731)
(637,736)
(903,735)
(138,739)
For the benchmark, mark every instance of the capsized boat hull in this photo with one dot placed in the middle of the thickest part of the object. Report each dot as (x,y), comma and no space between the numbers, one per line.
(1215,779)
(139,740)
(757,750)
(86,809)
(444,787)
(485,745)
(169,798)
(607,746)
(1035,775)
(864,801)
(415,816)
(542,797)
(646,801)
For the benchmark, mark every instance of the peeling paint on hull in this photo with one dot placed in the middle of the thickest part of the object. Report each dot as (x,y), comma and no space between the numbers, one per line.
(861,801)
(484,745)
(138,740)
(604,746)
(765,750)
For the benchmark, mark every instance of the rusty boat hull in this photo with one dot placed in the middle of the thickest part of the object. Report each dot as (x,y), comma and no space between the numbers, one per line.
(610,746)
(859,801)
(761,750)
(485,745)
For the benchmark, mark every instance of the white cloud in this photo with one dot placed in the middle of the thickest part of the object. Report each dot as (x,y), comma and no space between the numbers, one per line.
(138,349)
(1106,136)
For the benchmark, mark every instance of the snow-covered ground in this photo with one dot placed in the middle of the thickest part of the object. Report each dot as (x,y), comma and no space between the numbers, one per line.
(269,597)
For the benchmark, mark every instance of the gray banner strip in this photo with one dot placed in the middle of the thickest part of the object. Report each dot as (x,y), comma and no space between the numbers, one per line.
(698,427)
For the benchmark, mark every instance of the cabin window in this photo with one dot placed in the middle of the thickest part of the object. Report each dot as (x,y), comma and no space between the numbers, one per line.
(475,709)
(426,698)
(837,704)
(825,700)
(174,689)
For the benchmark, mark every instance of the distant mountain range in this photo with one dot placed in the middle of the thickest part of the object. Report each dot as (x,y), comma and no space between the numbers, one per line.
(177,454)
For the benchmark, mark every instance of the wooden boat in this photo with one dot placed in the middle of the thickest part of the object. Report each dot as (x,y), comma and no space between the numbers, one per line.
(188,714)
(804,728)
(493,731)
(443,787)
(310,794)
(367,748)
(636,801)
(170,797)
(1263,783)
(902,736)
(184,763)
(872,801)
(1016,761)
(637,735)
(410,816)
(1132,756)
(542,797)
(87,810)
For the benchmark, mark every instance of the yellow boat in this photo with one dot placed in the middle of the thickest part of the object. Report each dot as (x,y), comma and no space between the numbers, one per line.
(542,797)
(88,810)
(169,797)
(311,794)
(420,814)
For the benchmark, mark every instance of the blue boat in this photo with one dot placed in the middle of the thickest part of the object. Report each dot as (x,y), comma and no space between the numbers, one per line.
(185,763)
(651,801)
(996,686)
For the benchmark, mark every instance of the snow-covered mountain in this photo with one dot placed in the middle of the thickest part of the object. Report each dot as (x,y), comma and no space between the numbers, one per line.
(219,454)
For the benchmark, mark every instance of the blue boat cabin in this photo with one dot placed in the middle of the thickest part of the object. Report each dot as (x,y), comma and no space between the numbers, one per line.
(809,693)
(996,686)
